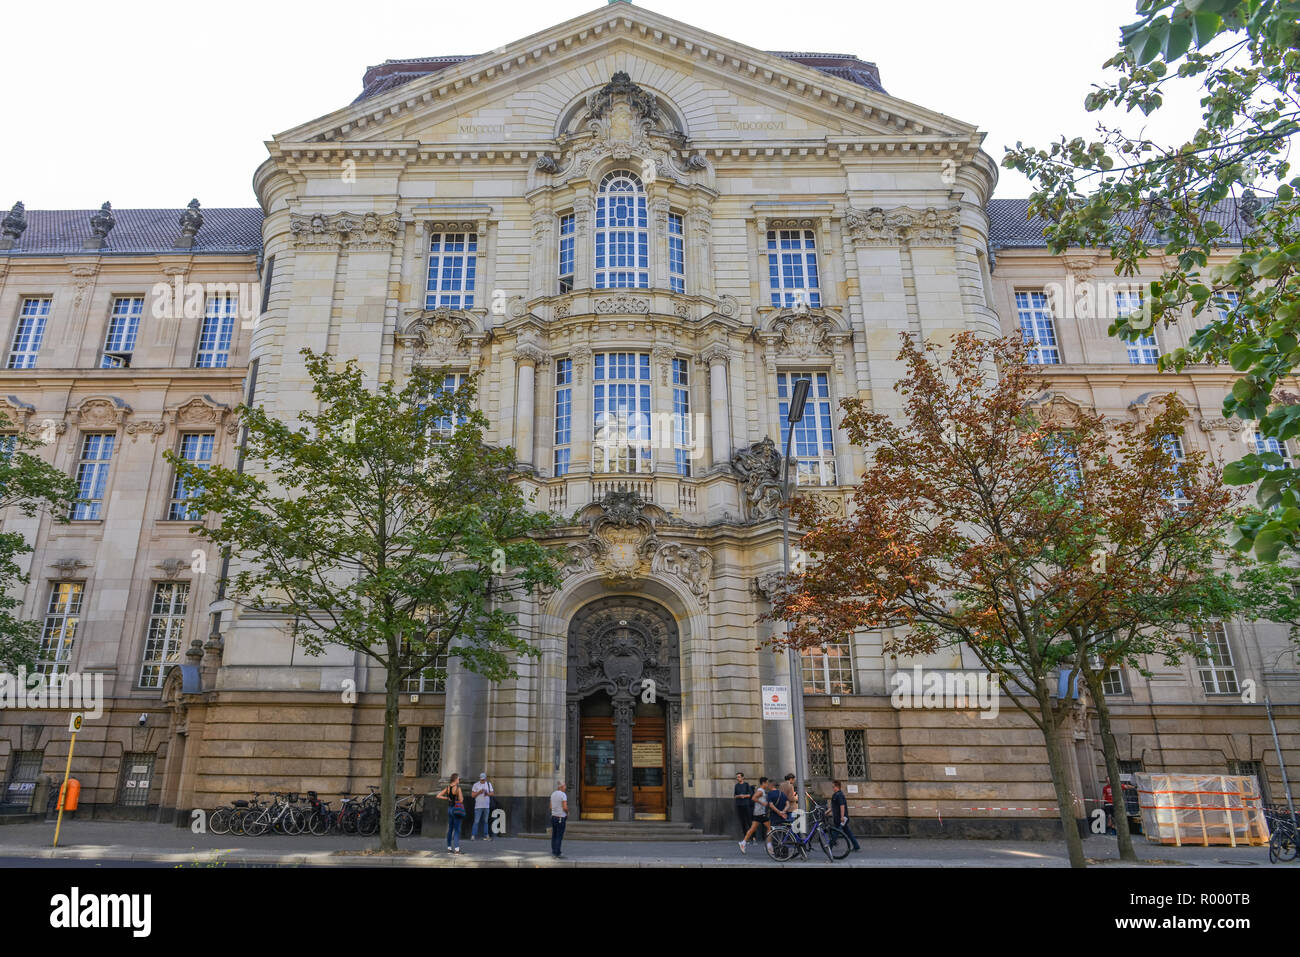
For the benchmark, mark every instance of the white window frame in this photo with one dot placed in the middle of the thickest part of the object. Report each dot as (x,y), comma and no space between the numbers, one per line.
(123,329)
(1145,351)
(621,433)
(567,252)
(683,445)
(33,315)
(621,240)
(1268,443)
(563,444)
(676,252)
(819,677)
(451,279)
(1037,324)
(818,423)
(59,630)
(93,472)
(178,509)
(217,334)
(164,635)
(1218,675)
(783,262)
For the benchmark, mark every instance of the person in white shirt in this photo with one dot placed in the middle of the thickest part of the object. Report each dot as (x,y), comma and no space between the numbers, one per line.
(559,817)
(482,792)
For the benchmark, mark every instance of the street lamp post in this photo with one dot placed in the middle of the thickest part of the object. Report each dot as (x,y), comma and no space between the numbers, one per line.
(793,416)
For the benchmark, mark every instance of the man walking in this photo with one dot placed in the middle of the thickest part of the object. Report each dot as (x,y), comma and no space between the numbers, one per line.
(559,816)
(760,815)
(744,793)
(482,806)
(840,813)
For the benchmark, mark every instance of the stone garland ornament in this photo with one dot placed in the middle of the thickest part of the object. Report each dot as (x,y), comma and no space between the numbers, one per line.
(365,231)
(931,226)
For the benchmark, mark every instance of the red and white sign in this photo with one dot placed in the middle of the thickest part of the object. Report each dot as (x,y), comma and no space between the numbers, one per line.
(776,702)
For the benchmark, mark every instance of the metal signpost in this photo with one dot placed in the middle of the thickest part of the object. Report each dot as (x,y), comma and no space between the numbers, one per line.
(74,725)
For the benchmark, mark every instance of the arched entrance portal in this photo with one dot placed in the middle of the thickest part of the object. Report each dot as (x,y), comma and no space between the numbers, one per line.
(624,711)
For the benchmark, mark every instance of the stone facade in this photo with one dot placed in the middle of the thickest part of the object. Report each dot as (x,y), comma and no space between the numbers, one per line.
(523,160)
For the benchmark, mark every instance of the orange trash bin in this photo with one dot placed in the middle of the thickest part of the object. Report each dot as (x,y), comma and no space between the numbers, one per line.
(73,789)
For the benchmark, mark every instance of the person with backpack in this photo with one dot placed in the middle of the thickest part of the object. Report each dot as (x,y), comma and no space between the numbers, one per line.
(455,812)
(482,793)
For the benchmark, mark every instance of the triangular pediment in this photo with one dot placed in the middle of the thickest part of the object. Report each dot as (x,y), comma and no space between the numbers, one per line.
(723,92)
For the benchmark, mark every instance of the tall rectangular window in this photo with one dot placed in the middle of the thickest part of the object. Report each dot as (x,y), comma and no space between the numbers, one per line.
(563,414)
(431,680)
(59,633)
(217,332)
(268,271)
(829,671)
(92,474)
(676,254)
(1174,445)
(1036,325)
(1217,672)
(166,632)
(622,233)
(1145,350)
(566,252)
(813,448)
(1266,443)
(452,381)
(621,400)
(431,752)
(682,416)
(819,753)
(855,754)
(29,333)
(792,268)
(123,327)
(453,269)
(400,764)
(195,447)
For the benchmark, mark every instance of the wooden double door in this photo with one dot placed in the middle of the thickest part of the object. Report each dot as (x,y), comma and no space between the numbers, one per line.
(646,760)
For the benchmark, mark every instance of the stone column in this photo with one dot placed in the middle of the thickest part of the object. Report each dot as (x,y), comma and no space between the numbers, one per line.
(526,359)
(716,357)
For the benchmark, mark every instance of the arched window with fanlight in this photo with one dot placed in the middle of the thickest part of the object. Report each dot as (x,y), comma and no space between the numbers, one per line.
(622,233)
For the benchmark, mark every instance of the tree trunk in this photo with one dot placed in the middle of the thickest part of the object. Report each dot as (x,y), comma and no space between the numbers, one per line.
(388,763)
(1111,752)
(1064,798)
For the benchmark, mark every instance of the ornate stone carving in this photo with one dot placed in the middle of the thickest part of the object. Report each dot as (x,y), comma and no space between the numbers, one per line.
(101,224)
(623,304)
(729,306)
(759,468)
(624,122)
(530,352)
(102,413)
(802,334)
(691,565)
(663,356)
(546,164)
(151,429)
(681,309)
(621,86)
(713,353)
(191,222)
(439,334)
(696,162)
(562,308)
(83,274)
(765,586)
(13,226)
(200,410)
(67,567)
(1218,422)
(580,355)
(621,536)
(171,567)
(921,227)
(364,231)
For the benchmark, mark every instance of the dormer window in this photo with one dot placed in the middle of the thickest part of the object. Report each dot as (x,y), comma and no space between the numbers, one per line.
(622,233)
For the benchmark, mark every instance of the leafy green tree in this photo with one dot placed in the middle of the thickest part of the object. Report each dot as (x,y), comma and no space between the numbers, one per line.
(28,485)
(1140,198)
(382,524)
(1033,542)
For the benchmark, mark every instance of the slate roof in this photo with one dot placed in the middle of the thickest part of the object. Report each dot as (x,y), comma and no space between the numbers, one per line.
(63,231)
(394,73)
(234,230)
(1011,227)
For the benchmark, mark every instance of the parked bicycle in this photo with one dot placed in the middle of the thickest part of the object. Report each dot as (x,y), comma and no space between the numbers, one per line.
(410,809)
(1283,837)
(791,840)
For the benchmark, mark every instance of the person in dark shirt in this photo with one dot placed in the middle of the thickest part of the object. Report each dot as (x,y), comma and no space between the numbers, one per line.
(744,802)
(840,813)
(777,804)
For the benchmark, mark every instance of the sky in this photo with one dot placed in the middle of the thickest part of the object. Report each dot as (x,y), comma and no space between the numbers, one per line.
(148,104)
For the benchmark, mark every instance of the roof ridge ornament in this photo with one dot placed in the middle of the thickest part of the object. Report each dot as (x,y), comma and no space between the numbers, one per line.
(191,221)
(13,226)
(101,224)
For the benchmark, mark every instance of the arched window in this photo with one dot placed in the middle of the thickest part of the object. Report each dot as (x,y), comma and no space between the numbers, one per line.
(622,233)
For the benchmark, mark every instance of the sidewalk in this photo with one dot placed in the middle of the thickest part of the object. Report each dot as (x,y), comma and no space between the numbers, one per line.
(89,841)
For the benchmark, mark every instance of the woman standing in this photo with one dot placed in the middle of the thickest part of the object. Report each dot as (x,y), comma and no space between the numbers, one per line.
(455,812)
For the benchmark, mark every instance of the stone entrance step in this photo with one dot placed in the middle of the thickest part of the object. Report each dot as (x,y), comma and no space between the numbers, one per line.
(629,831)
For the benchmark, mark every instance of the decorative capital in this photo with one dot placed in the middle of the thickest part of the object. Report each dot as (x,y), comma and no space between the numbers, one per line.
(529,352)
(714,353)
